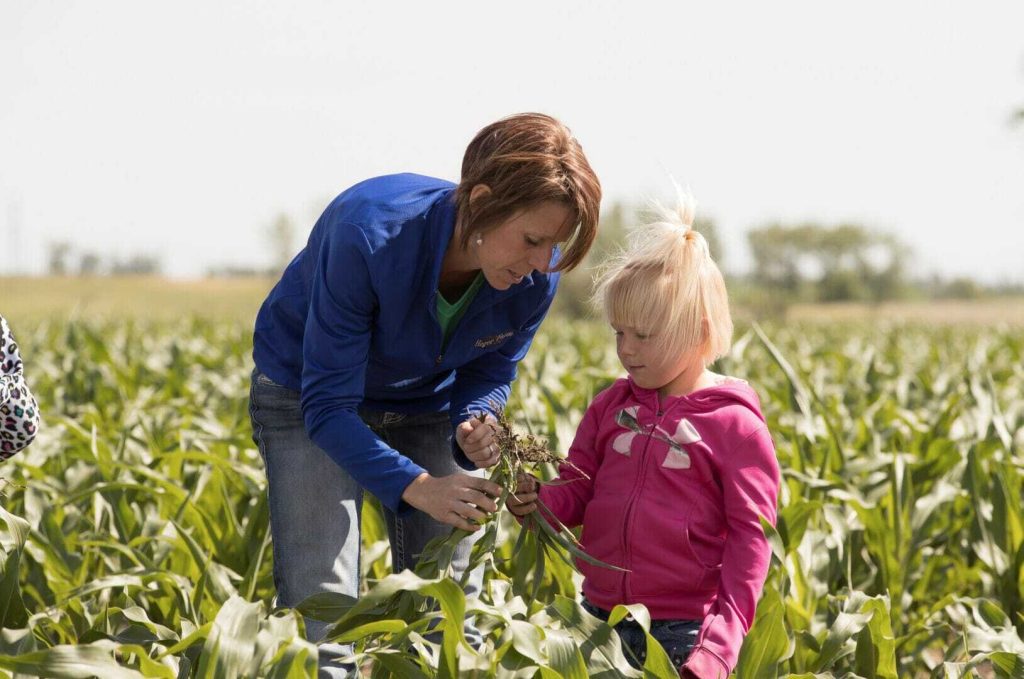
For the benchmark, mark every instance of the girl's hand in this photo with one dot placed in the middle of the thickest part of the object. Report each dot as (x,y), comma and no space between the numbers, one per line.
(477,441)
(457,499)
(524,499)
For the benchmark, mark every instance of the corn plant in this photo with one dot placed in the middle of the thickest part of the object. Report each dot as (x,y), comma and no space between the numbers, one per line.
(134,536)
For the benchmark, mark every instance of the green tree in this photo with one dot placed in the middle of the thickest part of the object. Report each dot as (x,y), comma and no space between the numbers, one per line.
(282,235)
(777,250)
(576,288)
(707,227)
(57,259)
(821,263)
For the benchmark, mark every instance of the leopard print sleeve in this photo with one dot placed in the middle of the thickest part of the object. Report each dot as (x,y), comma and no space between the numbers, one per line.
(19,413)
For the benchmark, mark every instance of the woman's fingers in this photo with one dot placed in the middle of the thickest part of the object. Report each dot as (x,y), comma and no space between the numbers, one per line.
(481,433)
(462,432)
(467,516)
(468,499)
(453,518)
(483,457)
(477,441)
(483,485)
(481,500)
(457,499)
(469,512)
(454,499)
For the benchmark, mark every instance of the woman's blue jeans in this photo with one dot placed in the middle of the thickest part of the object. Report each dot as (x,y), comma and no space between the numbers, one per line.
(315,506)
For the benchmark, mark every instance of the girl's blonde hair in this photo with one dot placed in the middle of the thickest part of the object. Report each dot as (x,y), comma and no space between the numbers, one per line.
(667,286)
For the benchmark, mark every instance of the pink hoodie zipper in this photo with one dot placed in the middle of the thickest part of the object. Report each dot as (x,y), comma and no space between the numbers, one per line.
(633,497)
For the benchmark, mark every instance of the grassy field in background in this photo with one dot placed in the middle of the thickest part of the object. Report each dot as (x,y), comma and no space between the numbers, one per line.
(31,300)
(979,312)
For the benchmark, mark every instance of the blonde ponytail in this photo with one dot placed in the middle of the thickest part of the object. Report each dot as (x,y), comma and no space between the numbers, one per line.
(666,285)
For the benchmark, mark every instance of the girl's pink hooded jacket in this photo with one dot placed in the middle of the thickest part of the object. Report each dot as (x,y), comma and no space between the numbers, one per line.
(674,496)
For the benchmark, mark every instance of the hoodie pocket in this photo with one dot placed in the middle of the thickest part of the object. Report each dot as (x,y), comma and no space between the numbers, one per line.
(601,539)
(705,553)
(665,563)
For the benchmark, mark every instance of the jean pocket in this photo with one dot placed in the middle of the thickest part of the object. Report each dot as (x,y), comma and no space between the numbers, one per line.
(266,381)
(677,630)
(677,638)
(269,395)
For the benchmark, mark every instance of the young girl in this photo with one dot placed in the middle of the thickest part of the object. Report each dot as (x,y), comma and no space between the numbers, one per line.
(19,414)
(679,465)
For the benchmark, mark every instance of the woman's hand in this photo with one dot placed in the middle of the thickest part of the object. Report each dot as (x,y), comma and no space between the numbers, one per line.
(477,440)
(524,499)
(457,499)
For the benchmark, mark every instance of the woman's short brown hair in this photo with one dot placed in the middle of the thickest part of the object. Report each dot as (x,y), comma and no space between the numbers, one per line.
(526,159)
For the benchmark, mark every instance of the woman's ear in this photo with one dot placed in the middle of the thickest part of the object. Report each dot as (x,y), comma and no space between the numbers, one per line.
(479,191)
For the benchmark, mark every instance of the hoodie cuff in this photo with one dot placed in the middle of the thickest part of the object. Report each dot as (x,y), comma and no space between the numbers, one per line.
(706,664)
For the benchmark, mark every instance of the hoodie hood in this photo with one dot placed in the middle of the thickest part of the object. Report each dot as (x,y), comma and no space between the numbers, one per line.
(725,392)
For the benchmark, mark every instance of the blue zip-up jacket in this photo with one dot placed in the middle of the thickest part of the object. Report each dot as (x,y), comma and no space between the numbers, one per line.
(353,322)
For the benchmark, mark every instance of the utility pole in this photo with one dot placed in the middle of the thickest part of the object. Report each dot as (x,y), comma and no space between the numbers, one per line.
(13,245)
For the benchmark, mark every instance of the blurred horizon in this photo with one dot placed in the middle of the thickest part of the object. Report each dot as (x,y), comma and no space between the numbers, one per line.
(188,138)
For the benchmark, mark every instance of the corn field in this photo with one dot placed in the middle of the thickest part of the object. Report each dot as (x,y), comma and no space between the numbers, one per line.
(135,530)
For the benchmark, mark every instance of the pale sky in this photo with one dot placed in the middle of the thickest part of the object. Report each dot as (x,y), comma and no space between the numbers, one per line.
(181,129)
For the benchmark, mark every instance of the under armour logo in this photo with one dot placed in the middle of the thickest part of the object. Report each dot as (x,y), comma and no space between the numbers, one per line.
(677,457)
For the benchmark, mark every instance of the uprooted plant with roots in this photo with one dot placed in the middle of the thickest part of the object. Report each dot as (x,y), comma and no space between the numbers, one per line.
(519,455)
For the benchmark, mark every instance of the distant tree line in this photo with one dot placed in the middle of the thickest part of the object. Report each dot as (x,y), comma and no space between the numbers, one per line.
(812,262)
(804,262)
(281,235)
(791,263)
(64,260)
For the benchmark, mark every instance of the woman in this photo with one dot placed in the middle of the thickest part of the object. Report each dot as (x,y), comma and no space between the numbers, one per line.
(19,414)
(403,317)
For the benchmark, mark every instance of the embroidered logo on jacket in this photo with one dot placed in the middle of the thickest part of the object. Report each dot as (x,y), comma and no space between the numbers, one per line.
(677,457)
(485,342)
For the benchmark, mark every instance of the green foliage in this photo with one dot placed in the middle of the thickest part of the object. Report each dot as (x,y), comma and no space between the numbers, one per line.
(134,532)
(811,262)
(575,288)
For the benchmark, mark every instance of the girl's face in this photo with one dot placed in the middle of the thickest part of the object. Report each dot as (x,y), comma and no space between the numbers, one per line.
(523,244)
(654,369)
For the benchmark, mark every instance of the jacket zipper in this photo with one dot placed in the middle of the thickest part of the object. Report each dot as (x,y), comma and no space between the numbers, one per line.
(628,524)
(475,309)
(437,327)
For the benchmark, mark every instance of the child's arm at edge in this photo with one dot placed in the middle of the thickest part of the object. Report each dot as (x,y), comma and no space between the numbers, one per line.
(750,485)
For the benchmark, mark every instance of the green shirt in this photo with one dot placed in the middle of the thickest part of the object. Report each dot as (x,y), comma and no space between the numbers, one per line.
(449,313)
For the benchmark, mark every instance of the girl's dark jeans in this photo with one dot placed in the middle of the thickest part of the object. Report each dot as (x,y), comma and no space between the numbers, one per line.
(677,637)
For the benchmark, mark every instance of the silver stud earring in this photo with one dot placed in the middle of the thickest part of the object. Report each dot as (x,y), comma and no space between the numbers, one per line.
(479,239)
